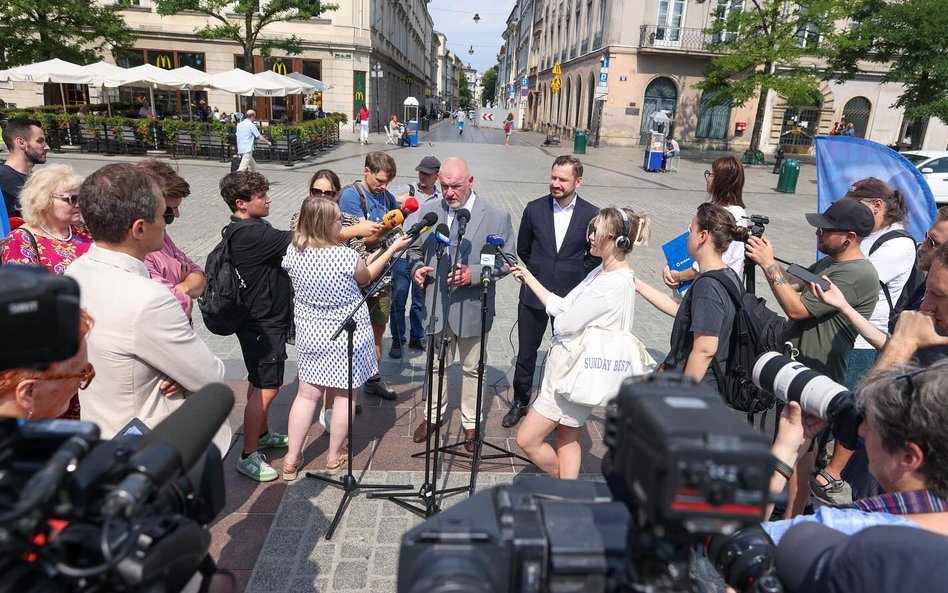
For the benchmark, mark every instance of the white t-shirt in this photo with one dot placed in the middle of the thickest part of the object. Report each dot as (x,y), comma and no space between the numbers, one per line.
(893,261)
(598,301)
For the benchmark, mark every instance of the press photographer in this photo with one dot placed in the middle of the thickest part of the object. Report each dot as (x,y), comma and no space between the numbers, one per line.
(905,428)
(680,467)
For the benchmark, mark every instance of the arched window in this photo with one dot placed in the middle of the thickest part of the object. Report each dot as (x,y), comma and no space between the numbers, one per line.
(857,112)
(712,119)
(660,95)
(579,103)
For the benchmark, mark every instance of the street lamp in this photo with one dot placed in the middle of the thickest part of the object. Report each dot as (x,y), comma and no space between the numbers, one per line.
(471,51)
(377,75)
(477,18)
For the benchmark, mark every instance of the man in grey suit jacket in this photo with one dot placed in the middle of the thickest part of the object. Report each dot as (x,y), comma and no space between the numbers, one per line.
(463,310)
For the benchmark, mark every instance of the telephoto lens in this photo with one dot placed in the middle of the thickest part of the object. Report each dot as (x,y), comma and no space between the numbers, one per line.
(792,381)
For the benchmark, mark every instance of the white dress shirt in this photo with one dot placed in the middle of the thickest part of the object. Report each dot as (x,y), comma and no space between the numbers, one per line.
(561,218)
(140,335)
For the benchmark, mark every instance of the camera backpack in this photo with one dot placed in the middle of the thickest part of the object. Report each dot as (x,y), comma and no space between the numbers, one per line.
(757,329)
(222,305)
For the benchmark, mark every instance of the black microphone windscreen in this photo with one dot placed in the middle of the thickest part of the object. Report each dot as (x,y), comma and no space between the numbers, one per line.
(191,428)
(463,214)
(430,218)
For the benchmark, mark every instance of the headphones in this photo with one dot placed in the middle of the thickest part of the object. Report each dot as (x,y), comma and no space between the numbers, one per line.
(623,243)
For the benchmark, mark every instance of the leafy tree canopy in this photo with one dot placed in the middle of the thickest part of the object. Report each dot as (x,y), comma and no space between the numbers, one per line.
(74,30)
(489,84)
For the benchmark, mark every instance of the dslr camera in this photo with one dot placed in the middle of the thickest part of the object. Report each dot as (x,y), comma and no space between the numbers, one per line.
(680,468)
(756,227)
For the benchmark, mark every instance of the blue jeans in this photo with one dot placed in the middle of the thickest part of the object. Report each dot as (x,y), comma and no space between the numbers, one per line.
(401,284)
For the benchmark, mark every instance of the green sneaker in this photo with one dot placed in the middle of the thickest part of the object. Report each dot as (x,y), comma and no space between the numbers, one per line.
(255,467)
(273,439)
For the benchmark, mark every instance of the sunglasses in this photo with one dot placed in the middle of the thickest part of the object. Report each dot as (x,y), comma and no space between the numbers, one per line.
(71,199)
(318,193)
(931,242)
(821,231)
(85,377)
(168,215)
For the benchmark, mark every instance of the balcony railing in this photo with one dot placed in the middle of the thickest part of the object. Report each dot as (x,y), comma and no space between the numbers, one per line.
(674,38)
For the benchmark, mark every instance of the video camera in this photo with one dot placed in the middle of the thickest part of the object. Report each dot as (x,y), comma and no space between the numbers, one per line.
(81,514)
(757,226)
(681,467)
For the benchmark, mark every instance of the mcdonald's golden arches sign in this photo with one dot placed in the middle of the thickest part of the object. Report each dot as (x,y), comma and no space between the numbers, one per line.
(164,61)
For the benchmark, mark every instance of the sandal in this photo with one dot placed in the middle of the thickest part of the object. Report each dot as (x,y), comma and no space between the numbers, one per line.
(834,492)
(291,469)
(333,468)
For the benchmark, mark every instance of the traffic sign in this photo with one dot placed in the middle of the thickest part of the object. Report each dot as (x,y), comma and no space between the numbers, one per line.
(557,70)
(487,116)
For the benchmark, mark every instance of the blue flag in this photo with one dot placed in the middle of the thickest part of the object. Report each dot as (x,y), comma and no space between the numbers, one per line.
(841,160)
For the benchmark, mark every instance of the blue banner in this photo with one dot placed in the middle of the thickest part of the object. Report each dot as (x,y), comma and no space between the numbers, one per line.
(841,160)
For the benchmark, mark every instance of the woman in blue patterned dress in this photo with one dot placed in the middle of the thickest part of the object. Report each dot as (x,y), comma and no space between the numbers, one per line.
(327,277)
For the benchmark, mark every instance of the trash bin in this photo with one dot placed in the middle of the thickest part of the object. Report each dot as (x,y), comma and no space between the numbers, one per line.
(778,161)
(787,182)
(579,142)
(413,133)
(425,124)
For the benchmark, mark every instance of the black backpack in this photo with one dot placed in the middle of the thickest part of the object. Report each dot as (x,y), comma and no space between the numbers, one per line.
(916,278)
(222,304)
(756,330)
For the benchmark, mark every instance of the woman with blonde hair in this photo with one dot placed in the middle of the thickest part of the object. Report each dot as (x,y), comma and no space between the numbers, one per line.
(327,277)
(53,234)
(595,302)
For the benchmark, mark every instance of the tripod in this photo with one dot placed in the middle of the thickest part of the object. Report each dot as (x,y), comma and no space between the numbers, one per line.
(428,492)
(349,483)
(478,442)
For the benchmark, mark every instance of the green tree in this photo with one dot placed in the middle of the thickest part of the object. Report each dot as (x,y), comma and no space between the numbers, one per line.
(910,38)
(489,85)
(762,46)
(245,21)
(73,30)
(465,95)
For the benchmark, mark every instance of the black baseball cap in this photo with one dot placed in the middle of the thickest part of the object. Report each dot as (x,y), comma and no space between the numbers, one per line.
(429,164)
(844,215)
(813,558)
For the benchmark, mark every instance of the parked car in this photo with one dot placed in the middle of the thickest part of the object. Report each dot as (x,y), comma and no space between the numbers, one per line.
(933,165)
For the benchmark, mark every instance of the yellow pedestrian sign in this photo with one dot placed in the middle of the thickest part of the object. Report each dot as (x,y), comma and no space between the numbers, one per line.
(555,85)
(557,70)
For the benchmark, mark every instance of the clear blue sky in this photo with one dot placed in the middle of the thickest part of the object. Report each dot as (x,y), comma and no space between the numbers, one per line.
(454,18)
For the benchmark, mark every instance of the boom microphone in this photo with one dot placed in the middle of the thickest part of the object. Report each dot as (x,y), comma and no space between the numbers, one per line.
(498,242)
(427,221)
(463,216)
(171,448)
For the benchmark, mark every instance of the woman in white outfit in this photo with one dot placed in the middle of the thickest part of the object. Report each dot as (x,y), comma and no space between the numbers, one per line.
(596,302)
(725,185)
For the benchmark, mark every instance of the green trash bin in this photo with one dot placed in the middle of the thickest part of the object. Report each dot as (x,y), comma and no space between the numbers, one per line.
(787,183)
(425,124)
(579,142)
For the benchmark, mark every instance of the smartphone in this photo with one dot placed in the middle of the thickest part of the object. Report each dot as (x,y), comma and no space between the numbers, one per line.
(807,276)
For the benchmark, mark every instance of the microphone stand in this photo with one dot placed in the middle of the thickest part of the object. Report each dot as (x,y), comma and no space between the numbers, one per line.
(478,442)
(349,483)
(428,491)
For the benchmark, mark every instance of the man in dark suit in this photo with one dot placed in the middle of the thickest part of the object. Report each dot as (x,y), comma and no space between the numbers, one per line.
(552,245)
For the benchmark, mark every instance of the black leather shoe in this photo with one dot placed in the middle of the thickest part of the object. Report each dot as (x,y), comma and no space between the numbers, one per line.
(514,415)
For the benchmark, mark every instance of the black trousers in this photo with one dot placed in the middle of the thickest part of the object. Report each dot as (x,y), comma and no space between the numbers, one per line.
(531,325)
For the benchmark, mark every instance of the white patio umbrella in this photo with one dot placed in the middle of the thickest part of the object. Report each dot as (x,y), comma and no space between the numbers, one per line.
(154,77)
(293,86)
(55,71)
(317,85)
(241,82)
(195,79)
(107,76)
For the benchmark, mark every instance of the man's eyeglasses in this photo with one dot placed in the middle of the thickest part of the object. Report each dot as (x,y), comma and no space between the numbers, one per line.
(85,377)
(71,199)
(168,215)
(932,244)
(318,193)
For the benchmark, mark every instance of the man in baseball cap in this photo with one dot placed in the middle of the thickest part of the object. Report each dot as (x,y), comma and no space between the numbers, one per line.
(822,335)
(424,190)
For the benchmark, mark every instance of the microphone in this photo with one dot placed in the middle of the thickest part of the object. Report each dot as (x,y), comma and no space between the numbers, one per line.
(171,448)
(487,262)
(393,218)
(443,235)
(47,481)
(498,242)
(410,205)
(462,216)
(427,221)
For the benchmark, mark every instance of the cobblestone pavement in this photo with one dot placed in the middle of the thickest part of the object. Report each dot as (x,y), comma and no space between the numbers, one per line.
(271,535)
